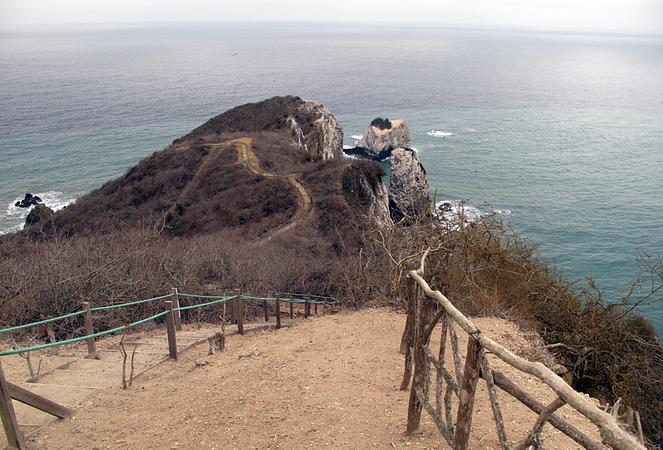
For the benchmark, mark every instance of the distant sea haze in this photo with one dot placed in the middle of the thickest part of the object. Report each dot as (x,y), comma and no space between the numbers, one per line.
(561,134)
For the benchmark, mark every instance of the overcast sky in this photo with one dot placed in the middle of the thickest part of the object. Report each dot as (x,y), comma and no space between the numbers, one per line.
(624,16)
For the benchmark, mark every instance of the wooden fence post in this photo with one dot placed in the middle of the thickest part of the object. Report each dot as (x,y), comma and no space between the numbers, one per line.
(278,314)
(9,422)
(50,332)
(467,390)
(89,329)
(170,328)
(264,306)
(407,340)
(315,310)
(292,311)
(307,309)
(178,313)
(239,314)
(421,362)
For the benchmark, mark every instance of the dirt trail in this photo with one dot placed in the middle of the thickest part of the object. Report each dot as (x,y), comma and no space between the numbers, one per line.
(304,203)
(195,181)
(326,382)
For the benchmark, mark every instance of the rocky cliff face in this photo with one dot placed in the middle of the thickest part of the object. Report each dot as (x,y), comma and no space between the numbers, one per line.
(324,138)
(408,187)
(363,187)
(314,129)
(379,141)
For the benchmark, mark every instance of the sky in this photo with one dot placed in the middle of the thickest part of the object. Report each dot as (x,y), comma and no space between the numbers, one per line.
(602,16)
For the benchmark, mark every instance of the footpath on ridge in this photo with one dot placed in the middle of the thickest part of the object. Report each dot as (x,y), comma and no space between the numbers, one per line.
(304,203)
(328,382)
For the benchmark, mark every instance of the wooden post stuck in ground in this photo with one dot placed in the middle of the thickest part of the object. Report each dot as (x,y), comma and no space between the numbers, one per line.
(9,422)
(277,306)
(50,332)
(178,313)
(307,309)
(292,312)
(315,310)
(264,305)
(468,389)
(170,328)
(239,311)
(89,328)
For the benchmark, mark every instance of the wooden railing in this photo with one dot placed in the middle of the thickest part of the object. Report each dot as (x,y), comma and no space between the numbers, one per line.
(425,312)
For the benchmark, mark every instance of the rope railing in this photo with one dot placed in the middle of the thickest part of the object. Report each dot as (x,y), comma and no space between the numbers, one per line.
(137,302)
(41,322)
(215,299)
(82,338)
(202,305)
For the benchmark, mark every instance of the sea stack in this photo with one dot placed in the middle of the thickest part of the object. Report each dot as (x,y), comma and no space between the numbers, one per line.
(408,187)
(382,137)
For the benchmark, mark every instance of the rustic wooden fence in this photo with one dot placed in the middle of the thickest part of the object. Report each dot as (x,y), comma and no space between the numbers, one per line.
(425,312)
(233,305)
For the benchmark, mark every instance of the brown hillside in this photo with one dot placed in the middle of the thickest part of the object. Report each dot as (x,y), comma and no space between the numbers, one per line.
(201,184)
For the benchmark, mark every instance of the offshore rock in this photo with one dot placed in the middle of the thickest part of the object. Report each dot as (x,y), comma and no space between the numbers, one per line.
(408,187)
(382,137)
(363,187)
(28,201)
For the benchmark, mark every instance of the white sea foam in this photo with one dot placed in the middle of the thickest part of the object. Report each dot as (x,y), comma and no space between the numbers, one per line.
(470,130)
(452,210)
(357,136)
(13,217)
(504,212)
(415,149)
(436,133)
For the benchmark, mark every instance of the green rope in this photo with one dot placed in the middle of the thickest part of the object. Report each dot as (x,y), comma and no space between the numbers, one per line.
(122,305)
(201,305)
(323,300)
(183,294)
(40,322)
(82,338)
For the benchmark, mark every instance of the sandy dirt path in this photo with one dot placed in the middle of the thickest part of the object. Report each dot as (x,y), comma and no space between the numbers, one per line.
(304,203)
(326,382)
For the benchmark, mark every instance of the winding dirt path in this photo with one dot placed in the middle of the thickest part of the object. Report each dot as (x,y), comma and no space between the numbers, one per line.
(304,203)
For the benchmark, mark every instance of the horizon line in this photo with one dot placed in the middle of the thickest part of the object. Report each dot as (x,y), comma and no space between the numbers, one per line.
(86,26)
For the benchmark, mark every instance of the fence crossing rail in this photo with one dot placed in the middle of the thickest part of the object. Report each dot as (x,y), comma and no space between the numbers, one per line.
(171,315)
(425,312)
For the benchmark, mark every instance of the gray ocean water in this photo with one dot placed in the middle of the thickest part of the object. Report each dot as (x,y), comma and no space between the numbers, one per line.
(561,133)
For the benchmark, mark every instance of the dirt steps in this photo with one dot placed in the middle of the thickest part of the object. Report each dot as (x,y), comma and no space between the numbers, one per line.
(76,381)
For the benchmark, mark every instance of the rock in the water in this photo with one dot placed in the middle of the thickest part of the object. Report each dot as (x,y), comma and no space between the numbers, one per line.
(382,137)
(408,187)
(363,187)
(28,201)
(313,127)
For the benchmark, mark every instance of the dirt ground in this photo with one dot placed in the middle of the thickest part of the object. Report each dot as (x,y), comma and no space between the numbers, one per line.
(326,382)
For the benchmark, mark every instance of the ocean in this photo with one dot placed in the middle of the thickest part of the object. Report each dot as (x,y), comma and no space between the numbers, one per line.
(562,134)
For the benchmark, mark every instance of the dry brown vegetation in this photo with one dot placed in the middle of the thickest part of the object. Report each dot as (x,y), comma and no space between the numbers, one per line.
(484,269)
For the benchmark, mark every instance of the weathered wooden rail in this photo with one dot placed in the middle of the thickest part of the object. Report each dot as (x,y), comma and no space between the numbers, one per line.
(425,312)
